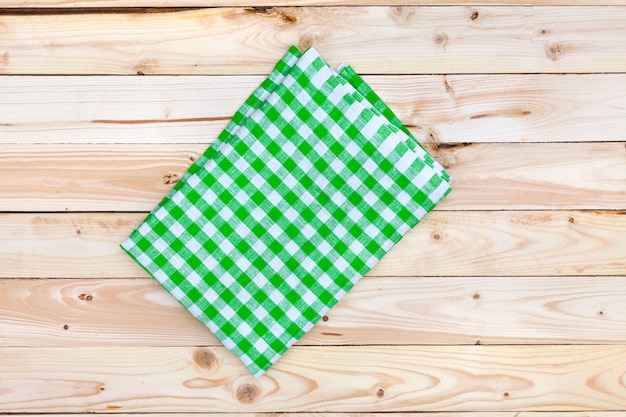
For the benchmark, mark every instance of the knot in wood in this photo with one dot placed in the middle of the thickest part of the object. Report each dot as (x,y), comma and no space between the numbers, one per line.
(170,178)
(204,358)
(441,38)
(307,41)
(247,393)
(553,51)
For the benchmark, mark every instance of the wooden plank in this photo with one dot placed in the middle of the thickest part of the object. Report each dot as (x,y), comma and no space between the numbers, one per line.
(270,3)
(600,413)
(485,176)
(385,310)
(368,414)
(455,39)
(355,379)
(194,109)
(456,243)
(91,177)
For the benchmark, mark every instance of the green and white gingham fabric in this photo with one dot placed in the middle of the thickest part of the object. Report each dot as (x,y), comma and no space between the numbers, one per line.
(306,189)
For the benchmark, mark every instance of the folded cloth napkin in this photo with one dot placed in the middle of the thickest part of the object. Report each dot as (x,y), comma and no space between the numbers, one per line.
(310,184)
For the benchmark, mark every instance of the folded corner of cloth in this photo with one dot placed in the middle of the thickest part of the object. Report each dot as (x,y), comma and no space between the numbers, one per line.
(311,183)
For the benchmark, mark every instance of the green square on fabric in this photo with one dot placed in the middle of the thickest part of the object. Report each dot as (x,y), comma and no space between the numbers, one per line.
(311,183)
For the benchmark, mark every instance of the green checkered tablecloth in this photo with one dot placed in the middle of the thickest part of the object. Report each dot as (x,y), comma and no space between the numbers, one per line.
(310,184)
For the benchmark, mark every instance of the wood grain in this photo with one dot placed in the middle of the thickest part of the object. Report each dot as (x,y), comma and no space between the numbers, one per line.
(368,414)
(385,310)
(269,3)
(194,109)
(508,301)
(355,379)
(485,176)
(383,40)
(456,243)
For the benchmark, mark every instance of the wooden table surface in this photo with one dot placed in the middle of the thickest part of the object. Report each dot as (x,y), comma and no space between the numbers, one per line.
(509,298)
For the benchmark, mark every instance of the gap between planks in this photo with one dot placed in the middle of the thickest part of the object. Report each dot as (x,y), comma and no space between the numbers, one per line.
(452,39)
(455,243)
(379,310)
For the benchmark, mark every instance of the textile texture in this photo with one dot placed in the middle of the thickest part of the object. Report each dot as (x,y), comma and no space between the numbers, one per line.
(307,188)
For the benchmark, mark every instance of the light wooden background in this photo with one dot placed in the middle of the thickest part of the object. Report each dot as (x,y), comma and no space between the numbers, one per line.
(510,298)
